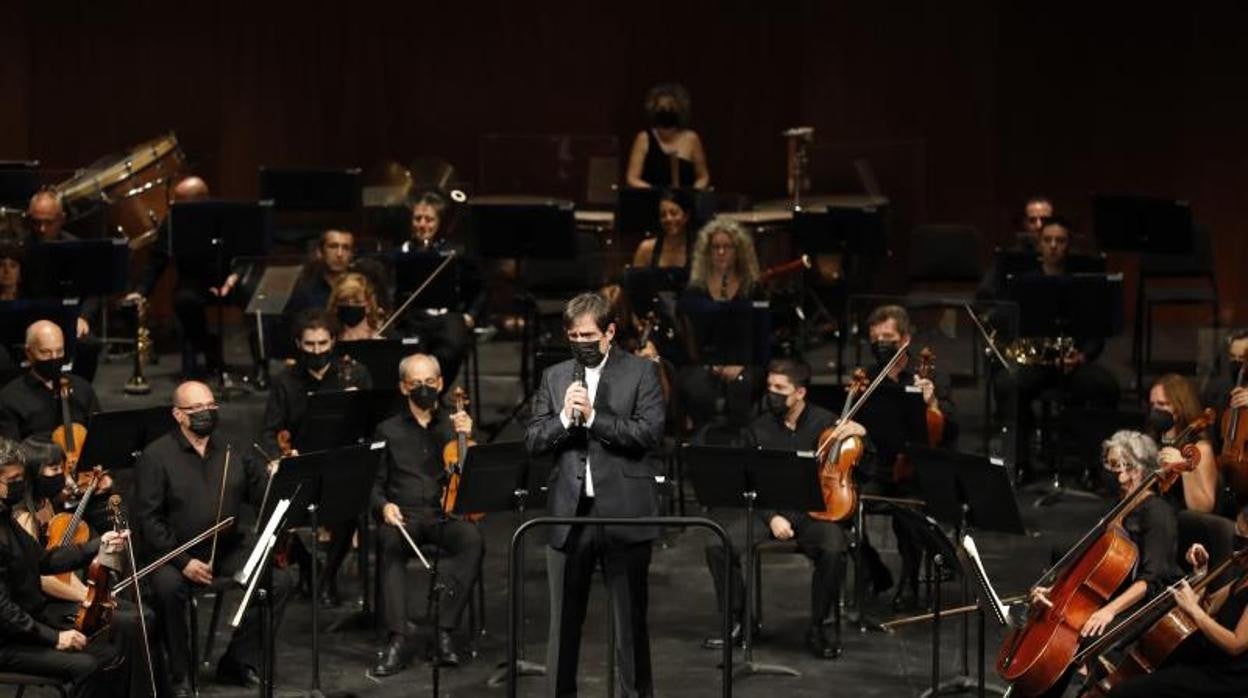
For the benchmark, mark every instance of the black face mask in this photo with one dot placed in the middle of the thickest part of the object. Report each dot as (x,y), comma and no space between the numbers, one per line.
(423,397)
(776,403)
(882,351)
(588,354)
(316,362)
(48,486)
(49,369)
(1159,421)
(666,118)
(203,422)
(17,492)
(351,315)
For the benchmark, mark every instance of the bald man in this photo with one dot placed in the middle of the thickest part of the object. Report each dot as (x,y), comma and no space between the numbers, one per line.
(30,405)
(47,217)
(177,481)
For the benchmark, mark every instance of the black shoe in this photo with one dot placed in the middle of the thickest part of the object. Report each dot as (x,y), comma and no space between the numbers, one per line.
(181,690)
(236,673)
(260,378)
(446,655)
(819,645)
(329,597)
(393,658)
(905,600)
(716,642)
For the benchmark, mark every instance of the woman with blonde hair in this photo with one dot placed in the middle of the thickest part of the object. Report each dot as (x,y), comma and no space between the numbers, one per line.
(353,301)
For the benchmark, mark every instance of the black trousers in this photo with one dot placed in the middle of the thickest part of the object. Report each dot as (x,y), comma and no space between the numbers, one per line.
(191,301)
(171,592)
(1089,385)
(461,549)
(79,668)
(112,665)
(1185,681)
(340,536)
(824,542)
(570,573)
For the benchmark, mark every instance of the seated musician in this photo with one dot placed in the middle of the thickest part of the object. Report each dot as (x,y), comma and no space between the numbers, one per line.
(669,153)
(888,327)
(444,332)
(724,271)
(1036,211)
(10,272)
(1077,375)
(33,638)
(331,258)
(46,483)
(30,404)
(1151,526)
(673,249)
(408,493)
(1173,405)
(181,484)
(353,302)
(1213,665)
(1220,390)
(790,423)
(317,369)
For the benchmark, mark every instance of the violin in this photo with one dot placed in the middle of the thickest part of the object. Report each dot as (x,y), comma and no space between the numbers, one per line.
(1234,458)
(96,611)
(70,435)
(903,471)
(1163,637)
(838,459)
(1033,657)
(453,455)
(66,529)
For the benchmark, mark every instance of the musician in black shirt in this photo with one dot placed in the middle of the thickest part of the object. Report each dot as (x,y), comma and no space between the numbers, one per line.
(181,481)
(408,493)
(30,404)
(791,423)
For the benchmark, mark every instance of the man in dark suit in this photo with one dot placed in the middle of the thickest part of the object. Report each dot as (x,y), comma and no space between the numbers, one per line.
(601,415)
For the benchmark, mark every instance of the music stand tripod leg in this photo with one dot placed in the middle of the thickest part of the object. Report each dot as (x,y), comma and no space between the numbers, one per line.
(749,667)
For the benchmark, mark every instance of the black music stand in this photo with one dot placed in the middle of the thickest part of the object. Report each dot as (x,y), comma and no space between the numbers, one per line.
(326,487)
(637,209)
(336,418)
(748,478)
(19,180)
(115,439)
(309,200)
(1142,224)
(77,268)
(219,231)
(967,492)
(380,356)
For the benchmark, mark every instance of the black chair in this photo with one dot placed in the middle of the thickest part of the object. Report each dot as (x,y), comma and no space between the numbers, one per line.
(218,589)
(1189,282)
(23,681)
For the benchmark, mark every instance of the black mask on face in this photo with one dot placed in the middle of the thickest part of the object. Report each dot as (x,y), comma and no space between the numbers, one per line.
(49,369)
(48,486)
(316,362)
(588,354)
(883,350)
(17,491)
(423,397)
(666,118)
(776,403)
(203,422)
(1159,421)
(351,315)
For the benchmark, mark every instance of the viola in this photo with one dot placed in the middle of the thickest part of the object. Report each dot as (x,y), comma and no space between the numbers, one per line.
(1033,657)
(96,611)
(1163,637)
(66,529)
(70,435)
(454,453)
(1234,457)
(838,459)
(903,471)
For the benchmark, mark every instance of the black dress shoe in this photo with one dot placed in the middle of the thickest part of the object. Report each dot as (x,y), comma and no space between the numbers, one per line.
(181,690)
(819,645)
(233,672)
(329,597)
(446,655)
(393,658)
(715,642)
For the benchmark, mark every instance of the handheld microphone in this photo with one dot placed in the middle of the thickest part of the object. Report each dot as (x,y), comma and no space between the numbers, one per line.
(578,376)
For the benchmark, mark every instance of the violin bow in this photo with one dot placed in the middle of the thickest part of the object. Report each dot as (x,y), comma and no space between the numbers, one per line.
(875,383)
(395,315)
(988,338)
(267,486)
(138,602)
(225,476)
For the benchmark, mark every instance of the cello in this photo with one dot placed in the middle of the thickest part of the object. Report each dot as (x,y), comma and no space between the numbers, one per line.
(454,453)
(1033,657)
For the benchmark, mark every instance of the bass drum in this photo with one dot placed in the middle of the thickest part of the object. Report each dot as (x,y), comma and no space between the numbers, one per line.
(135,188)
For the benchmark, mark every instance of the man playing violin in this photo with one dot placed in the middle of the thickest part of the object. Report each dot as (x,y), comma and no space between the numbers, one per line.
(790,423)
(33,639)
(182,487)
(408,493)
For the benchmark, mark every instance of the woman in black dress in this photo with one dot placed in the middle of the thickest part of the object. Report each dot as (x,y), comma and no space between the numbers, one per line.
(669,153)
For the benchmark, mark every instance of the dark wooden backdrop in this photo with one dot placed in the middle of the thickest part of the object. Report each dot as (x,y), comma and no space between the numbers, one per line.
(963,107)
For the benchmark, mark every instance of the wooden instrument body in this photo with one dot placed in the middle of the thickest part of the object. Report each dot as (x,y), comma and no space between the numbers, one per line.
(453,455)
(836,478)
(69,529)
(1149,652)
(96,610)
(70,435)
(1233,459)
(1035,656)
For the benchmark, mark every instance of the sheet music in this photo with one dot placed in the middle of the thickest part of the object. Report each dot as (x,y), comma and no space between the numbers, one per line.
(989,595)
(270,530)
(251,588)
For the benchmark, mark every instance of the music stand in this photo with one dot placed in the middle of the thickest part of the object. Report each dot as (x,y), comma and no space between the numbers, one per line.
(1142,224)
(326,487)
(19,180)
(637,209)
(77,268)
(272,293)
(115,439)
(736,478)
(715,332)
(220,231)
(525,231)
(380,356)
(965,491)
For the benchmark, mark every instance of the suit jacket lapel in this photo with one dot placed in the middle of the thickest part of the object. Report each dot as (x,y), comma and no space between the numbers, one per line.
(602,397)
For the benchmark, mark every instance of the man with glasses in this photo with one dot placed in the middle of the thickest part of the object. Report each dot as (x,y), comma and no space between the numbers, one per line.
(179,481)
(408,494)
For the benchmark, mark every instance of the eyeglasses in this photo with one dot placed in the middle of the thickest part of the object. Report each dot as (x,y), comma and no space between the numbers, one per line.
(197,408)
(1114,465)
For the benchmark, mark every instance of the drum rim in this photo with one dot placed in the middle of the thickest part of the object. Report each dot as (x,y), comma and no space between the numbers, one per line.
(137,159)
